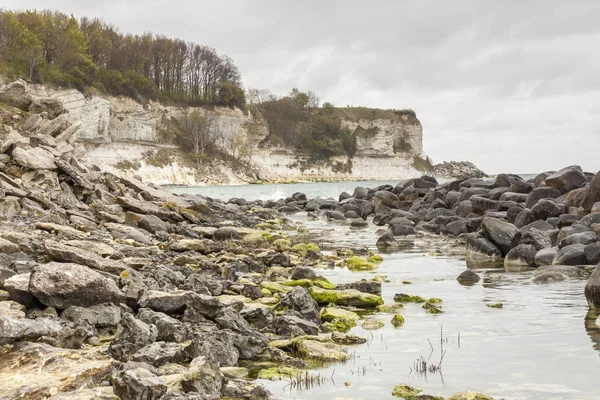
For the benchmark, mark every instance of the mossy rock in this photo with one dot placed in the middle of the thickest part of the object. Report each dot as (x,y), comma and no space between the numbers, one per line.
(390,308)
(332,313)
(408,298)
(372,324)
(435,300)
(380,279)
(357,263)
(282,244)
(470,396)
(301,249)
(494,305)
(274,287)
(264,226)
(306,283)
(375,259)
(321,351)
(278,373)
(405,391)
(235,372)
(397,320)
(349,297)
(347,339)
(255,239)
(313,247)
(433,308)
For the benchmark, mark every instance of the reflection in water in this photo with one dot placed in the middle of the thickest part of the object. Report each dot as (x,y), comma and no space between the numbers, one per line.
(593,328)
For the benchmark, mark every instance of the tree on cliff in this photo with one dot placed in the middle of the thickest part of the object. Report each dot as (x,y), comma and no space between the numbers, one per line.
(198,132)
(52,47)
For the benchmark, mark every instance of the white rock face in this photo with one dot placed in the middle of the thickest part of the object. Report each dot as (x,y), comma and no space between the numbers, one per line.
(116,129)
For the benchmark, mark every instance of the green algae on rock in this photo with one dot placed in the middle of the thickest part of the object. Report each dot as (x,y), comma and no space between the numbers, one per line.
(317,348)
(348,297)
(375,259)
(494,305)
(390,308)
(306,283)
(408,298)
(405,391)
(372,324)
(357,263)
(278,373)
(470,396)
(397,320)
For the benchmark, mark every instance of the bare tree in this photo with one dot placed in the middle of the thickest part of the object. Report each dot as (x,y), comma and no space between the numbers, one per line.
(200,131)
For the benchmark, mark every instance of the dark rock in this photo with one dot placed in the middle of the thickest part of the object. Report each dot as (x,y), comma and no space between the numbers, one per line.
(539,225)
(525,217)
(300,300)
(226,233)
(592,194)
(383,201)
(301,272)
(584,238)
(503,234)
(248,341)
(520,187)
(478,246)
(62,285)
(567,179)
(592,289)
(386,240)
(592,253)
(481,205)
(545,209)
(335,215)
(214,344)
(291,323)
(549,277)
(573,254)
(541,193)
(363,285)
(590,219)
(512,214)
(464,208)
(468,277)
(203,376)
(567,219)
(152,224)
(455,228)
(260,317)
(401,230)
(516,197)
(545,256)
(521,256)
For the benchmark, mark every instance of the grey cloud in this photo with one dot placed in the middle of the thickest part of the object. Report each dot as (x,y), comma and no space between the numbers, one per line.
(511,85)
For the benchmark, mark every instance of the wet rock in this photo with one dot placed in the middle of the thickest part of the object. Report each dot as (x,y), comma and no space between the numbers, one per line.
(592,289)
(592,253)
(549,277)
(568,270)
(203,376)
(573,254)
(468,277)
(138,384)
(62,285)
(132,336)
(387,240)
(522,255)
(501,233)
(479,247)
(363,285)
(584,238)
(401,230)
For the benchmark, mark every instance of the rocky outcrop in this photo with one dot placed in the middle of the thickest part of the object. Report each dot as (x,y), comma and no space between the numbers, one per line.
(457,169)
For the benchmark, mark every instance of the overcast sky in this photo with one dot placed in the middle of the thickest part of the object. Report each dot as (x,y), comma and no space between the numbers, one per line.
(512,86)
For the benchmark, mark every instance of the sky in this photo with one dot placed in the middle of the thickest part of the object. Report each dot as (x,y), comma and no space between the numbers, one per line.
(512,86)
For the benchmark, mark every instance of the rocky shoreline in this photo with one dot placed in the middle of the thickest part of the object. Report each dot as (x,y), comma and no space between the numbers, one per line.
(111,288)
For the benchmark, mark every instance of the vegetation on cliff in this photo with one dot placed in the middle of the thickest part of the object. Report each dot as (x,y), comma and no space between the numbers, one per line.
(55,48)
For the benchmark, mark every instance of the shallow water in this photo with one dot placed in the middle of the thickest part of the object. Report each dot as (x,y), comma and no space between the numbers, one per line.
(536,347)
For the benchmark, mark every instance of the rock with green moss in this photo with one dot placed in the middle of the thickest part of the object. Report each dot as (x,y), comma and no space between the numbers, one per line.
(435,300)
(347,339)
(255,239)
(357,263)
(372,324)
(433,308)
(348,297)
(494,305)
(306,283)
(390,308)
(375,259)
(235,372)
(397,320)
(333,313)
(470,396)
(405,391)
(313,247)
(282,244)
(321,351)
(301,249)
(275,287)
(408,298)
(380,279)
(278,373)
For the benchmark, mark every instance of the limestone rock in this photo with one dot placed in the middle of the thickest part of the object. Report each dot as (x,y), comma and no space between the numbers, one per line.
(34,158)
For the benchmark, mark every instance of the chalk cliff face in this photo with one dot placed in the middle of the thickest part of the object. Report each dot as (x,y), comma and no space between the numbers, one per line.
(121,135)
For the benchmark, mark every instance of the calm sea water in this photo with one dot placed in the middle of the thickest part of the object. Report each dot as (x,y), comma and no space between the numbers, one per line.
(538,346)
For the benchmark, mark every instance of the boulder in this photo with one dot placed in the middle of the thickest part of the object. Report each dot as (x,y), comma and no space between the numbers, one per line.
(17,94)
(132,335)
(545,256)
(100,315)
(468,277)
(139,384)
(567,179)
(592,289)
(61,285)
(383,201)
(501,233)
(524,218)
(53,106)
(592,253)
(584,238)
(545,209)
(541,193)
(549,277)
(350,297)
(34,158)
(17,287)
(455,228)
(401,230)
(152,224)
(479,247)
(522,255)
(226,233)
(160,353)
(203,376)
(573,254)
(481,204)
(300,300)
(291,323)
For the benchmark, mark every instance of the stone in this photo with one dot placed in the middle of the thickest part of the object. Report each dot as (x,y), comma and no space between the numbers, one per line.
(549,277)
(152,224)
(203,376)
(468,277)
(100,315)
(226,233)
(291,323)
(522,255)
(300,300)
(160,353)
(10,207)
(541,193)
(17,287)
(323,351)
(34,158)
(132,336)
(573,254)
(501,233)
(479,247)
(62,252)
(592,253)
(61,285)
(405,391)
(545,256)
(53,106)
(567,179)
(219,347)
(568,270)
(17,94)
(63,370)
(592,289)
(545,209)
(469,396)
(139,384)
(301,272)
(592,194)
(455,228)
(349,297)
(243,389)
(584,238)
(12,309)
